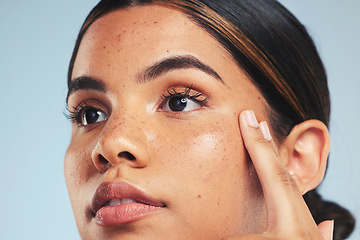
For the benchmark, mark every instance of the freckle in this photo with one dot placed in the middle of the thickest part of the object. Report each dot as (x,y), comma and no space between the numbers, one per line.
(199,196)
(108,65)
(167,51)
(118,50)
(124,31)
(134,22)
(144,39)
(155,22)
(145,22)
(104,47)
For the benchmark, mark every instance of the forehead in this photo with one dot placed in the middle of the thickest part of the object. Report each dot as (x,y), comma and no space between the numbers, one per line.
(146,24)
(140,17)
(149,32)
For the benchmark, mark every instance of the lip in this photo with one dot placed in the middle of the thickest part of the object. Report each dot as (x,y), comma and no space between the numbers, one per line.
(116,215)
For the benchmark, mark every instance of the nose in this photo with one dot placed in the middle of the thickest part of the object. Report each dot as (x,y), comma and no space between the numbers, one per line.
(120,143)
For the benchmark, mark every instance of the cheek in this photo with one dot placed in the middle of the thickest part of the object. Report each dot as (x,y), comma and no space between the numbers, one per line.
(215,152)
(207,170)
(225,181)
(207,149)
(206,159)
(79,170)
(76,166)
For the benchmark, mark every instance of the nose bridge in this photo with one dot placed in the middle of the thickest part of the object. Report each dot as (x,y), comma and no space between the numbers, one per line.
(121,140)
(123,129)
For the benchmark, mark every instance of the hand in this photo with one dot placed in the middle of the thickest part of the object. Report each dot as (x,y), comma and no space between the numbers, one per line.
(288,216)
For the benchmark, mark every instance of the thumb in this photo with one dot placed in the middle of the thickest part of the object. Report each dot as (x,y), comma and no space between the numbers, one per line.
(327,229)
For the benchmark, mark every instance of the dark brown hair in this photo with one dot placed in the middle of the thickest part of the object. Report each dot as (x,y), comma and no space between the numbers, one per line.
(275,50)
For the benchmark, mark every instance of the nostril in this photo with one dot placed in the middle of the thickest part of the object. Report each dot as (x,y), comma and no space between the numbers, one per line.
(101,163)
(102,160)
(127,155)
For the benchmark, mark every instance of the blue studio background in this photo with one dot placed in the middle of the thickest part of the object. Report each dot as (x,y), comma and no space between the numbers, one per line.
(36,42)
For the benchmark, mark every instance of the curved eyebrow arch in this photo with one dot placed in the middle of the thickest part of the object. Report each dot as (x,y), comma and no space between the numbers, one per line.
(150,73)
(85,82)
(174,63)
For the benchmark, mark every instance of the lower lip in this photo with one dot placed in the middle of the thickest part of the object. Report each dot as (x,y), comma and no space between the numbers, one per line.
(124,213)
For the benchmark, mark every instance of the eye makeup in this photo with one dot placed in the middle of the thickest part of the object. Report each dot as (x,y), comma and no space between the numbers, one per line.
(86,113)
(182,99)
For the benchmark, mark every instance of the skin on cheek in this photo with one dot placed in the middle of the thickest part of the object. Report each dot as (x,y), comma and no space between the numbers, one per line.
(228,167)
(78,163)
(211,151)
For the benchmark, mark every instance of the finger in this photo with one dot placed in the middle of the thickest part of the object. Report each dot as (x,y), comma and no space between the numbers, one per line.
(284,204)
(327,229)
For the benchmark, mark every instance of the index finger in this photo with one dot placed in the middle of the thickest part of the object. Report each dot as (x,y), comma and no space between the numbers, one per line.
(284,203)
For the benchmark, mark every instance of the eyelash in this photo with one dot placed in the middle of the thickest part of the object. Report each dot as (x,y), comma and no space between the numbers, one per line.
(188,92)
(75,115)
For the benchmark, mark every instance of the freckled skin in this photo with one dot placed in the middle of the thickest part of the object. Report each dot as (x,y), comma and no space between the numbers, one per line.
(195,161)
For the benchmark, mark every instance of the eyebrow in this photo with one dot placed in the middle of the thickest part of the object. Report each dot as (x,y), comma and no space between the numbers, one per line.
(85,82)
(174,63)
(150,73)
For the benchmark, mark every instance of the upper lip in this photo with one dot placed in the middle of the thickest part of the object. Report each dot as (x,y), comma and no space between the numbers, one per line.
(121,190)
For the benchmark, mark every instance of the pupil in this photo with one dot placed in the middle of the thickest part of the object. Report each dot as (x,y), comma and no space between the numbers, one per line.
(177,104)
(91,116)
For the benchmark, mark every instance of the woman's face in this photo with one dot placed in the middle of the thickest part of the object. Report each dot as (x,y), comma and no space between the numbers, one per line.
(155,103)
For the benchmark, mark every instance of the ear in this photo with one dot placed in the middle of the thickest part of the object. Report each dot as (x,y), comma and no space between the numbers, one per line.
(306,150)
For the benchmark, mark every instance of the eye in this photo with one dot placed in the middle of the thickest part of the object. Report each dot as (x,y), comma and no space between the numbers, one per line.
(180,104)
(86,113)
(91,115)
(180,99)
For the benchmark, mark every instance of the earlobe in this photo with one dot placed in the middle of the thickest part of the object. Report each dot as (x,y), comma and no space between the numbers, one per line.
(307,149)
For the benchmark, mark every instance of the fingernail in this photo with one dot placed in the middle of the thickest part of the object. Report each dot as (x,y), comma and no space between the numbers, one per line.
(251,119)
(332,230)
(265,131)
